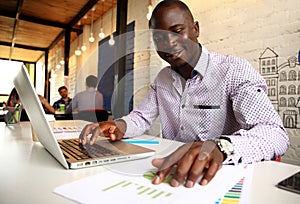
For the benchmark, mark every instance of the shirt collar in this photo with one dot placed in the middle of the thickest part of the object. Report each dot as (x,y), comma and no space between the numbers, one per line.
(202,63)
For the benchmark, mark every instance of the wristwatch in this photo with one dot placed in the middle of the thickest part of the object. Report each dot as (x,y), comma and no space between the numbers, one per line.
(225,146)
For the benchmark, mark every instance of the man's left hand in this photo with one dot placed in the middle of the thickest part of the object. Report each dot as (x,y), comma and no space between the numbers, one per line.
(188,163)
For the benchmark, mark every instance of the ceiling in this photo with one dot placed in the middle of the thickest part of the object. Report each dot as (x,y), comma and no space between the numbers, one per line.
(28,28)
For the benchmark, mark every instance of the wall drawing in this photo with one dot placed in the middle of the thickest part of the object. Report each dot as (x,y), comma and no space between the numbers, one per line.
(283,80)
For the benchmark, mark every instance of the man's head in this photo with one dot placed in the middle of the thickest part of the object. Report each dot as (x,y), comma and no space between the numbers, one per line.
(63,91)
(175,34)
(91,81)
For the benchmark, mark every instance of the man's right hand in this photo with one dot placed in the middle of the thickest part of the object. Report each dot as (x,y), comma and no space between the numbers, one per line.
(114,130)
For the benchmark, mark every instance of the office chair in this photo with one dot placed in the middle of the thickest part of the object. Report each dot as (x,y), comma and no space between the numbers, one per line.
(93,115)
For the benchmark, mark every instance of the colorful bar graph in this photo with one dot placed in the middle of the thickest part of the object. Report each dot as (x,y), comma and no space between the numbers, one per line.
(233,195)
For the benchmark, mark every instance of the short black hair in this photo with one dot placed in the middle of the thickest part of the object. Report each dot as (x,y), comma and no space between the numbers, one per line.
(62,87)
(91,81)
(167,3)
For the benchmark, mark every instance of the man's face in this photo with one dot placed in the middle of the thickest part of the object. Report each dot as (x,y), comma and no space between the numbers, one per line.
(175,36)
(63,93)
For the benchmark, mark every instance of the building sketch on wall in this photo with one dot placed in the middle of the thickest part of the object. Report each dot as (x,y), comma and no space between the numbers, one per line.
(283,80)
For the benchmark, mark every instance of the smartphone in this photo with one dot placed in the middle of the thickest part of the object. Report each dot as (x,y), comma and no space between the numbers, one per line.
(291,183)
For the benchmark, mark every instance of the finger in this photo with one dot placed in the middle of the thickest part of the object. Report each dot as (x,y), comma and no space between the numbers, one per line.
(112,133)
(184,166)
(210,173)
(157,162)
(95,133)
(85,132)
(200,163)
(168,163)
(161,175)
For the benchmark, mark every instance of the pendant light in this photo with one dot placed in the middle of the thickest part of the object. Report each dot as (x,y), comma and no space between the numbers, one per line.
(111,38)
(101,34)
(78,50)
(91,38)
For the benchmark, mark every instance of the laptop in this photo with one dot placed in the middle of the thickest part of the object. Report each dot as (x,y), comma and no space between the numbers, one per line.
(68,151)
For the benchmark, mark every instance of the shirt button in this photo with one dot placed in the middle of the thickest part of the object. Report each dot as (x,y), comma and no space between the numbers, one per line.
(182,106)
(181,128)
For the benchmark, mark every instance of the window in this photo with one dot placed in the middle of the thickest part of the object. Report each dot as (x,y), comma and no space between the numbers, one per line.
(282,102)
(283,76)
(292,75)
(273,61)
(282,90)
(291,102)
(292,89)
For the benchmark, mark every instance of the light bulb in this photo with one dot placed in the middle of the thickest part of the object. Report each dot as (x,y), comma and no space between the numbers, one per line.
(111,40)
(77,52)
(83,47)
(62,61)
(149,14)
(91,38)
(58,66)
(101,34)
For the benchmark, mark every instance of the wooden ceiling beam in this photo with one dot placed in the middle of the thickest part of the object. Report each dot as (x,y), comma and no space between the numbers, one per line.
(23,46)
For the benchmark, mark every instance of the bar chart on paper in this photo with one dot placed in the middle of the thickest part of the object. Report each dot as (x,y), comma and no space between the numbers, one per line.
(137,189)
(117,187)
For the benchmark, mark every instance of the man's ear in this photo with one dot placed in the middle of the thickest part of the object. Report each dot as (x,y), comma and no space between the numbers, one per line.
(197,28)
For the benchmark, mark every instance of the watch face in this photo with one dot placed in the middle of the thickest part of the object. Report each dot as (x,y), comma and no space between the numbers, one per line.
(226,146)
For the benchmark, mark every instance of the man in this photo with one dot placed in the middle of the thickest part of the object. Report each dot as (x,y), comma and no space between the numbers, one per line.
(88,99)
(215,104)
(65,99)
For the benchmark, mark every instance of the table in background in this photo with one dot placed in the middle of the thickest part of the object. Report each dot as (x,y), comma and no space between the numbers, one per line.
(29,173)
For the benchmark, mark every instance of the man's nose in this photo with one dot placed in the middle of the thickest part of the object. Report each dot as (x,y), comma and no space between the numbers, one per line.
(170,39)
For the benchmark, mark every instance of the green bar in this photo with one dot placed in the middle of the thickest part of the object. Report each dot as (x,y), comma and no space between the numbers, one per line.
(140,187)
(140,193)
(232,194)
(157,195)
(228,196)
(151,192)
(127,184)
(169,194)
(113,186)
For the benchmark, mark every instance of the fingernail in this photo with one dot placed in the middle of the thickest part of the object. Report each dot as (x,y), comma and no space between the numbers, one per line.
(174,183)
(156,179)
(204,182)
(113,137)
(189,184)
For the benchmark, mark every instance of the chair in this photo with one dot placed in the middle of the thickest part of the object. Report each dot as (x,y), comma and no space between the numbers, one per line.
(93,115)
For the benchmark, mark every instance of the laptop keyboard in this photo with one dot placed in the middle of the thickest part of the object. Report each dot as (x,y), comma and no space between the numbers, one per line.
(72,147)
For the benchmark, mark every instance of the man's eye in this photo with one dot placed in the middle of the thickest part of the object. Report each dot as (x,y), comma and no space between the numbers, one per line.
(178,30)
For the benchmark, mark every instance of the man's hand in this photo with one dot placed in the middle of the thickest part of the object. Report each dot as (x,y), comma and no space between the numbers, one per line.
(113,129)
(188,163)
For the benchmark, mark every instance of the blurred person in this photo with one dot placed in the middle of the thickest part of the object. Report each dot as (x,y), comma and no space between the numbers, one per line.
(65,99)
(90,98)
(14,99)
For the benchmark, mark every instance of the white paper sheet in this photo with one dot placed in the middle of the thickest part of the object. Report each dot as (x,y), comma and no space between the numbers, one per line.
(116,187)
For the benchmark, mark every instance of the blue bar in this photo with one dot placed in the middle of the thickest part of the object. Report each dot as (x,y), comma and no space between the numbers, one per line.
(141,141)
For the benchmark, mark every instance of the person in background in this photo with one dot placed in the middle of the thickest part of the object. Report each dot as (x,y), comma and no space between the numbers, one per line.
(216,104)
(91,98)
(65,99)
(14,99)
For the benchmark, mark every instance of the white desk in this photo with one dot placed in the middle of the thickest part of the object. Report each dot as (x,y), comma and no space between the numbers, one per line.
(28,173)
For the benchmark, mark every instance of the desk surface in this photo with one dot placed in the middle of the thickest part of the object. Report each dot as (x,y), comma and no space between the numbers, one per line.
(28,173)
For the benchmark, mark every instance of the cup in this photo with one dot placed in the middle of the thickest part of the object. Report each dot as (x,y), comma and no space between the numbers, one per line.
(62,107)
(13,115)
